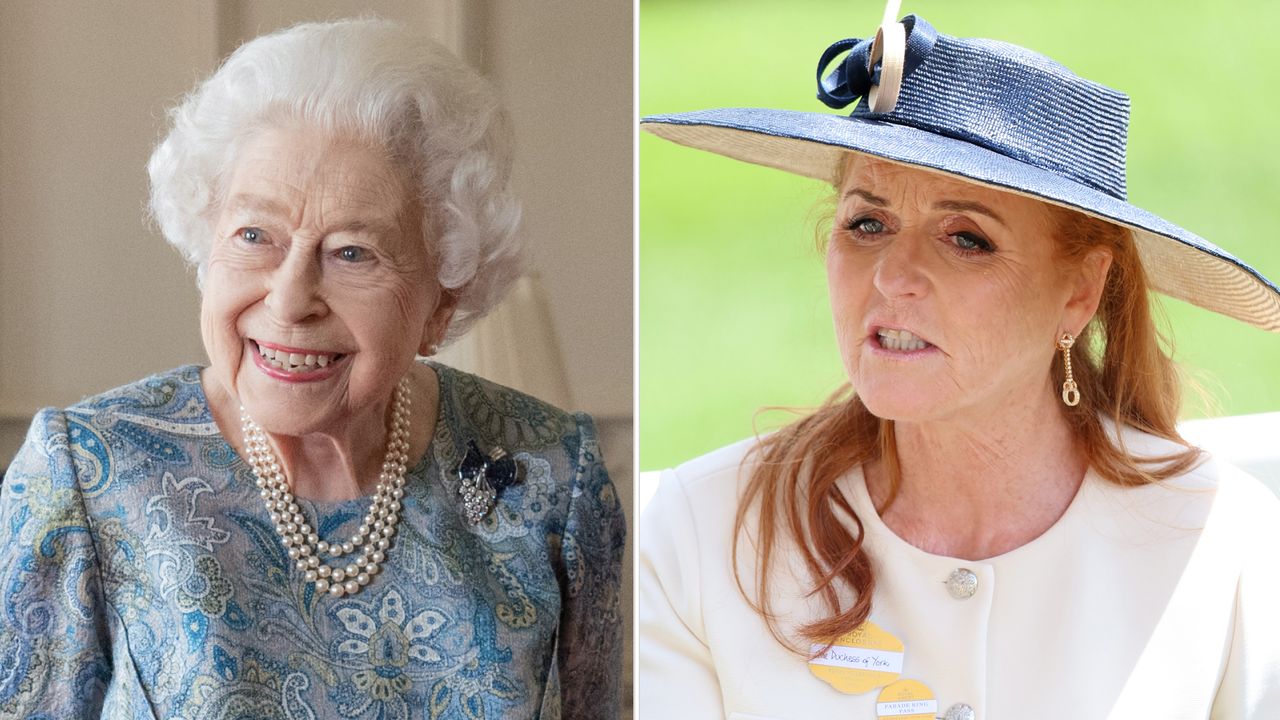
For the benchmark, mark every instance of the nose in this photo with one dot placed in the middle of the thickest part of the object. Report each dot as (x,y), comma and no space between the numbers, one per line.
(899,267)
(293,295)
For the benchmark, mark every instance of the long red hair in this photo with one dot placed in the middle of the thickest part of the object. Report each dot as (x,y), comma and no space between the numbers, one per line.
(1119,362)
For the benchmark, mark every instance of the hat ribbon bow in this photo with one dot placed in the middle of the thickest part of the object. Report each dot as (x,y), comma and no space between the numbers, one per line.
(875,68)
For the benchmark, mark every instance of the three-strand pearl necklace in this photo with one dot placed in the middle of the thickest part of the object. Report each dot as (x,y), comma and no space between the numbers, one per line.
(374,535)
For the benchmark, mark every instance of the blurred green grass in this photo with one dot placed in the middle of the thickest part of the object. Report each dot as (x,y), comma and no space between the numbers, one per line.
(733,307)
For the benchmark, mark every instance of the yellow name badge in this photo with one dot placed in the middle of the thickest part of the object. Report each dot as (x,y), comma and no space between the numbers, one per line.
(907,700)
(859,661)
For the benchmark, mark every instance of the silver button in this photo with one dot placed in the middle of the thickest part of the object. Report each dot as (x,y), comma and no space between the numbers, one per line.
(960,711)
(962,584)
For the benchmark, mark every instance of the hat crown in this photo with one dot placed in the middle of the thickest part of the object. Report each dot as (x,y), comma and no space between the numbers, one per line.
(996,95)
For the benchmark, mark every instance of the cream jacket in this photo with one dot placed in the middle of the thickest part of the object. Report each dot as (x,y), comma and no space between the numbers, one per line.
(1155,602)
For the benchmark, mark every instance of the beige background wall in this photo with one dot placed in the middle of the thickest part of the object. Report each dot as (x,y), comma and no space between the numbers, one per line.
(91,297)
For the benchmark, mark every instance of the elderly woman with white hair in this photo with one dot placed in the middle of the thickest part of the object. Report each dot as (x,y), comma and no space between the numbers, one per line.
(316,524)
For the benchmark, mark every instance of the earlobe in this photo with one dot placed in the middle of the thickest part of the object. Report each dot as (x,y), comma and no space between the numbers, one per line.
(437,325)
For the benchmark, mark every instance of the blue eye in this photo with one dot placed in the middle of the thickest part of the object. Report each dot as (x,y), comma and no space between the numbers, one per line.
(969,242)
(351,253)
(253,236)
(867,226)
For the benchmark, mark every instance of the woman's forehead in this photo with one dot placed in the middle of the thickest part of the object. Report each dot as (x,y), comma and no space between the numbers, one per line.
(285,170)
(864,170)
(864,175)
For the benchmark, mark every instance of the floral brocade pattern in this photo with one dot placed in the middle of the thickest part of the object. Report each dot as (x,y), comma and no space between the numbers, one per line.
(140,576)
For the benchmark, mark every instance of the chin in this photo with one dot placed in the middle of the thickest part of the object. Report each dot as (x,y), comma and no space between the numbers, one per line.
(286,411)
(280,421)
(898,403)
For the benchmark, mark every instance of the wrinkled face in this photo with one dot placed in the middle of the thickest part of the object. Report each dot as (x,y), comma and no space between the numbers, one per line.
(946,295)
(319,290)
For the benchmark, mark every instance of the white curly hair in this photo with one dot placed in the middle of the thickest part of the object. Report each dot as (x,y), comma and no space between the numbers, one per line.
(372,78)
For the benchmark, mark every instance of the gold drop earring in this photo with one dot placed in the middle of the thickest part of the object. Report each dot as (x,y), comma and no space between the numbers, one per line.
(1070,391)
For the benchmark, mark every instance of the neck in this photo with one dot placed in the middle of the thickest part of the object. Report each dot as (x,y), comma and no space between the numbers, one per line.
(983,485)
(343,462)
(337,464)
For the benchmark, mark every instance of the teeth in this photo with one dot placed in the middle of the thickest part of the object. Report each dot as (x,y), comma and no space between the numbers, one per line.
(295,362)
(901,340)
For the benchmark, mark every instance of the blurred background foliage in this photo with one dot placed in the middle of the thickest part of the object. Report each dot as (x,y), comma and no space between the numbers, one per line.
(733,306)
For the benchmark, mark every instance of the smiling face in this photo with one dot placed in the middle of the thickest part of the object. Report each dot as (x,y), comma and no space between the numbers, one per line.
(947,296)
(319,290)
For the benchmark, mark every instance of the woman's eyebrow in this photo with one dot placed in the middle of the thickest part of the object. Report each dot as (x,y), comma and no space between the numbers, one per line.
(953,205)
(370,225)
(865,195)
(970,206)
(366,226)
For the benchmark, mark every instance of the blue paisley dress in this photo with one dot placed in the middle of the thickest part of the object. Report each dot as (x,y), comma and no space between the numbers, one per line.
(140,576)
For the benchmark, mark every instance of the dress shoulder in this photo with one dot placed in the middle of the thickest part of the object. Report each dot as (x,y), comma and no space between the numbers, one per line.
(171,393)
(495,415)
(1212,488)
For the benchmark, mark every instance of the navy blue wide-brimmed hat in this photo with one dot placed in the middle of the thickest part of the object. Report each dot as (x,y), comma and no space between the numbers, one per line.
(991,113)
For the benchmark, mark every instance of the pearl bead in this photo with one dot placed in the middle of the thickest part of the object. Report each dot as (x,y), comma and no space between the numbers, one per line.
(382,543)
(347,548)
(322,546)
(324,571)
(377,556)
(292,553)
(301,564)
(335,551)
(337,575)
(322,585)
(351,586)
(351,570)
(311,575)
(362,579)
(313,561)
(337,590)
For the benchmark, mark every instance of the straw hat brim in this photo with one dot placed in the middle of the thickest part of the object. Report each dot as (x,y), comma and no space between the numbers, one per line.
(1178,263)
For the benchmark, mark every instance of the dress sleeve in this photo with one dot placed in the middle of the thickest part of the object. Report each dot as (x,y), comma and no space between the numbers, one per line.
(55,662)
(590,643)
(1250,688)
(678,676)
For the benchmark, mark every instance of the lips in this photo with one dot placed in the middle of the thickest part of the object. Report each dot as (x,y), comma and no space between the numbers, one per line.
(898,340)
(295,360)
